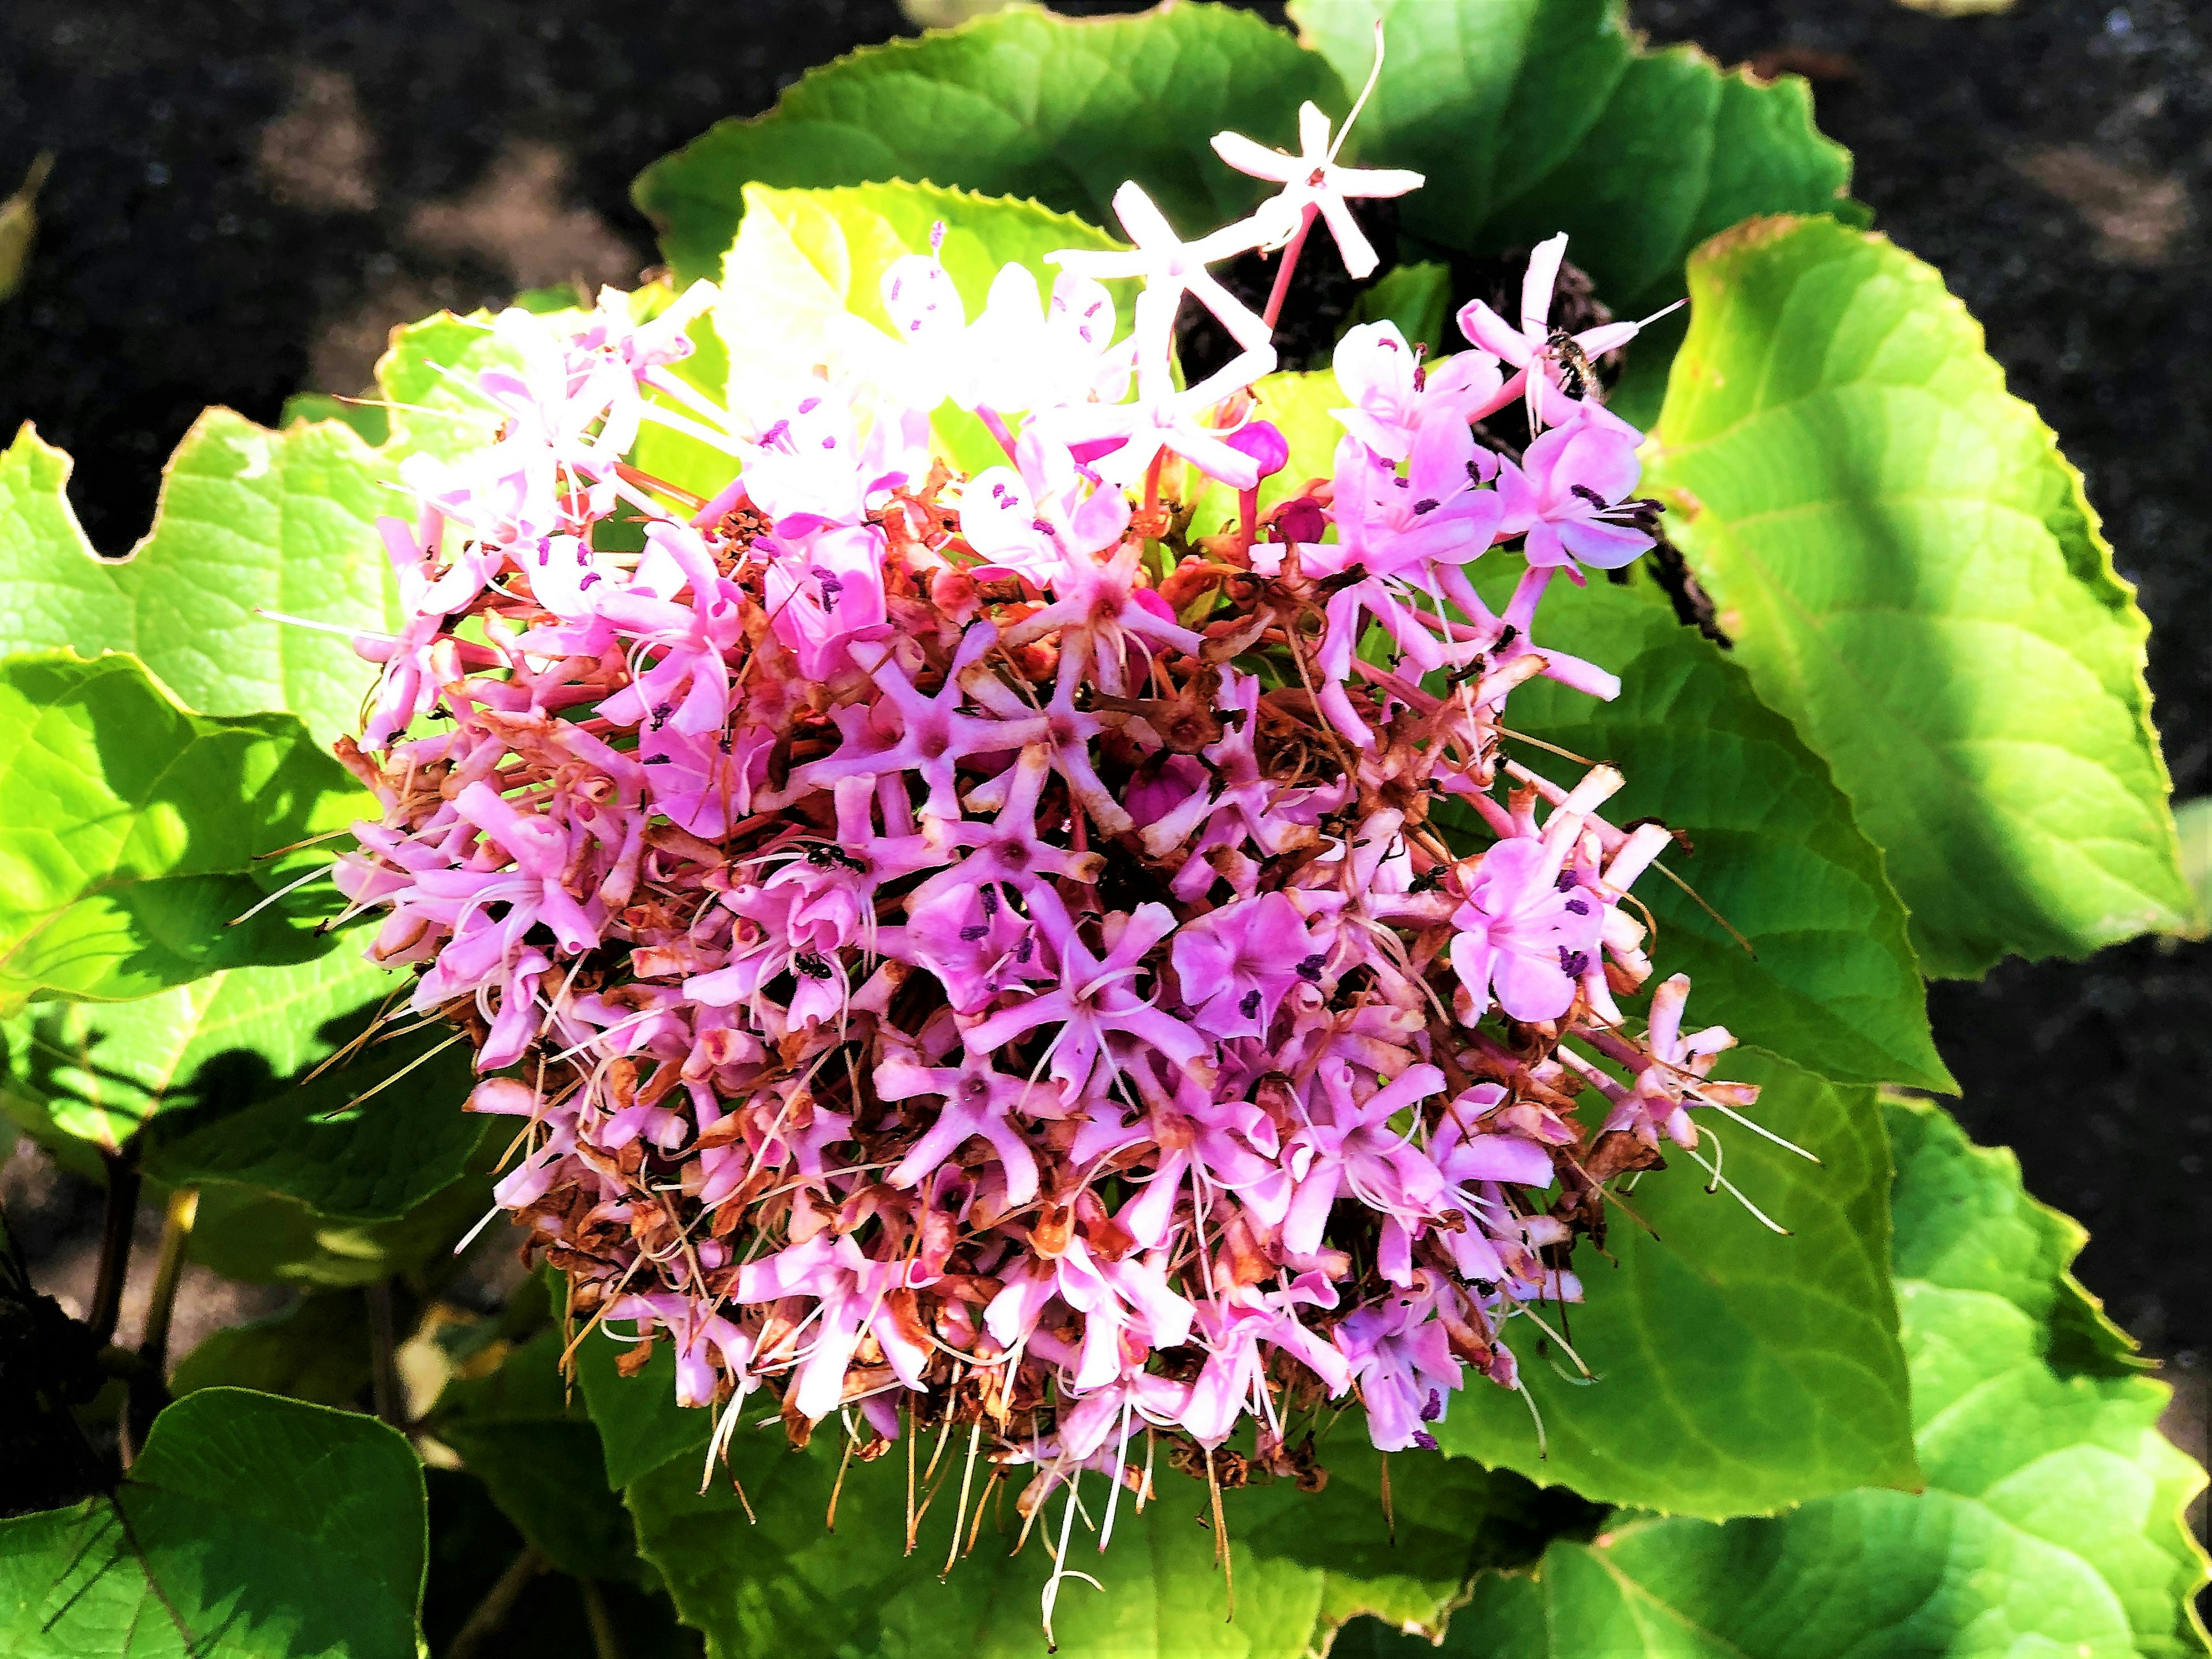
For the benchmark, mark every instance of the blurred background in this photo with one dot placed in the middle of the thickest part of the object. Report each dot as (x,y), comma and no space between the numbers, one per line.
(245,199)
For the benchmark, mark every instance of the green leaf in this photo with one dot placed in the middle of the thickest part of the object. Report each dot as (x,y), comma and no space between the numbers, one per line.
(366,418)
(1830,982)
(265,1237)
(641,1425)
(372,1161)
(132,832)
(1021,104)
(1304,1563)
(2193,819)
(248,518)
(2052,1519)
(807,257)
(539,1456)
(1533,116)
(428,377)
(100,1071)
(1738,1372)
(1913,576)
(249,1526)
(319,1352)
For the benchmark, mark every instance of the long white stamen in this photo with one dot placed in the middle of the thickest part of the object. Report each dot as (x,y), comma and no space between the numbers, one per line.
(1374,74)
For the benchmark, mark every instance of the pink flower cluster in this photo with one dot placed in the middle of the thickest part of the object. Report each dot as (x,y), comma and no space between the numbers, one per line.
(975,949)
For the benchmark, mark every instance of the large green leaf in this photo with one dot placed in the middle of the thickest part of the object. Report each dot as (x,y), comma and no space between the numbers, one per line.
(1023,103)
(1303,1563)
(640,1426)
(1914,577)
(1830,982)
(249,1526)
(133,832)
(248,518)
(2051,1523)
(100,1071)
(1532,117)
(805,258)
(1737,1371)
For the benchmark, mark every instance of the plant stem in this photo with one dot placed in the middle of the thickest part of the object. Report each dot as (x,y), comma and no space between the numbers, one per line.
(1282,288)
(606,1642)
(168,1270)
(118,1221)
(388,1396)
(499,1600)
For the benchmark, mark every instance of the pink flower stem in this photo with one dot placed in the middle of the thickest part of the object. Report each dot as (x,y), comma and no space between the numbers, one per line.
(1291,249)
(992,419)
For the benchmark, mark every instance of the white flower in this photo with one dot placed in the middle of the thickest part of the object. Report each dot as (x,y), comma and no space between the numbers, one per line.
(1171,268)
(1313,183)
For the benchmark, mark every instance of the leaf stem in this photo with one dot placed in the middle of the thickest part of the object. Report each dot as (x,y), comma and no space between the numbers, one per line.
(384,1389)
(118,1220)
(168,1271)
(499,1600)
(606,1642)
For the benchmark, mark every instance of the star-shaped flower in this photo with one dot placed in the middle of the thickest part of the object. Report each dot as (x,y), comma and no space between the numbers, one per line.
(1171,268)
(1313,183)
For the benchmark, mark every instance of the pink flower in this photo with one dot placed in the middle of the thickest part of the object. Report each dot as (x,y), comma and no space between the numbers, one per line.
(1568,495)
(1392,392)
(1520,938)
(1539,350)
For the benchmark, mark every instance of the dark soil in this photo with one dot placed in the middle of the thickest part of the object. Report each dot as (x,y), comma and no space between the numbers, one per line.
(247,195)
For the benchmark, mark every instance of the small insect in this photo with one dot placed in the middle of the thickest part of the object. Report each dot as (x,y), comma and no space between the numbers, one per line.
(1577,375)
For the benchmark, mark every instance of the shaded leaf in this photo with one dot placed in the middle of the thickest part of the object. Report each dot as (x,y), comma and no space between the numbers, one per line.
(1854,485)
(1303,1562)
(641,1425)
(1418,298)
(1532,117)
(1738,1372)
(268,1238)
(102,1070)
(1021,104)
(371,1161)
(318,1351)
(132,832)
(538,1454)
(255,1527)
